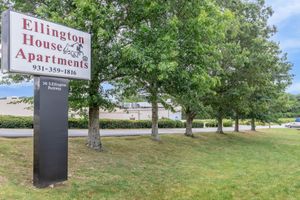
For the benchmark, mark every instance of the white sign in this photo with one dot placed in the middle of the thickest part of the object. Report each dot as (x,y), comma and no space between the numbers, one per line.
(39,47)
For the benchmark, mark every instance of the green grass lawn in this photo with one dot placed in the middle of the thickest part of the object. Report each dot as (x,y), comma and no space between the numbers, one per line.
(263,165)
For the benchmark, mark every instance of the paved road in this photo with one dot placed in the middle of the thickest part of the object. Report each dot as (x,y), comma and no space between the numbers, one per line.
(13,133)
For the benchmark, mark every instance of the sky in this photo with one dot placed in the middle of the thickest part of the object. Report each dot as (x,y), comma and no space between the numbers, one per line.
(286,19)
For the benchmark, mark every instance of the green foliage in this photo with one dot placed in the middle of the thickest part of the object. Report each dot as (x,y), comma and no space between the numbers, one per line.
(286,120)
(210,123)
(197,124)
(167,123)
(104,22)
(254,72)
(213,58)
(198,38)
(150,56)
(15,122)
(293,106)
(78,123)
(279,121)
(27,122)
(124,124)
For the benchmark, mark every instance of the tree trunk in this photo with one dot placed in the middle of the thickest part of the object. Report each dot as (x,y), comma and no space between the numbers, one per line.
(253,128)
(189,124)
(154,132)
(93,140)
(236,125)
(220,125)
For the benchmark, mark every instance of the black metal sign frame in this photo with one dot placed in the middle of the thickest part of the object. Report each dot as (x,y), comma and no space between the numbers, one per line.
(50,131)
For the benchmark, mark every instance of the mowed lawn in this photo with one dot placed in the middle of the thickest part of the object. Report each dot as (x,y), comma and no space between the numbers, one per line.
(262,165)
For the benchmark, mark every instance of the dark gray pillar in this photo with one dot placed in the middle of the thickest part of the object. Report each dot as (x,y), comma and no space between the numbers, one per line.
(50,131)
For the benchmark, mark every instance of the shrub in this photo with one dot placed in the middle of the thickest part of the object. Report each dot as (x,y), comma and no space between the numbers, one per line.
(78,123)
(198,124)
(124,124)
(211,123)
(259,123)
(167,123)
(227,123)
(16,122)
(27,122)
(286,120)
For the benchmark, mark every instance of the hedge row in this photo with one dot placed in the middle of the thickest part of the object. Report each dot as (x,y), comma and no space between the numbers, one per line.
(211,123)
(130,124)
(258,123)
(15,122)
(125,124)
(27,122)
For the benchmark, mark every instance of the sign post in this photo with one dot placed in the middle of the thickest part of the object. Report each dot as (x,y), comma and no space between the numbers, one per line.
(50,131)
(53,53)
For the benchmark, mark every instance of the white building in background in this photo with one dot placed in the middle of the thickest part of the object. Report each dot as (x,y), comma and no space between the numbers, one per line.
(131,111)
(11,106)
(140,111)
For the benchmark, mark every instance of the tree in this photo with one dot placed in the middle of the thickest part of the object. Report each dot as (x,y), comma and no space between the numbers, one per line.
(293,108)
(221,100)
(150,54)
(104,21)
(201,28)
(267,68)
(231,94)
(268,82)
(249,64)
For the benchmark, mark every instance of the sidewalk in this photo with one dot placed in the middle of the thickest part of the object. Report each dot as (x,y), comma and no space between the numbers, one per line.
(15,133)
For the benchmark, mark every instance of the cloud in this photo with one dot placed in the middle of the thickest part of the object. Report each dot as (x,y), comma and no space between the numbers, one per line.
(286,14)
(294,89)
(284,9)
(290,44)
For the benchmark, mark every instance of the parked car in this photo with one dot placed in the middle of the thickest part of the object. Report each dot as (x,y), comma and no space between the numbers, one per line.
(295,124)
